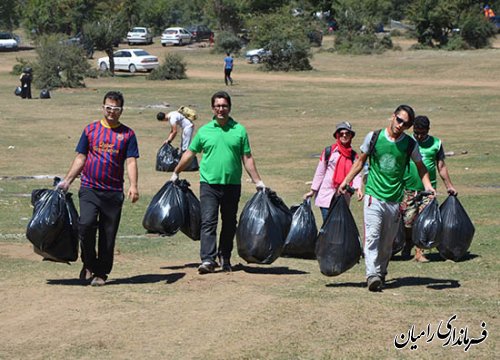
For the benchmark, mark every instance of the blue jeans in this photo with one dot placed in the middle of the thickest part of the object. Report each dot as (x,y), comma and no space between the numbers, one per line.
(213,198)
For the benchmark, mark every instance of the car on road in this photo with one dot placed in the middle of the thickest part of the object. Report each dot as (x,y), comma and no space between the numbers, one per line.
(200,32)
(176,36)
(139,35)
(131,60)
(8,41)
(256,56)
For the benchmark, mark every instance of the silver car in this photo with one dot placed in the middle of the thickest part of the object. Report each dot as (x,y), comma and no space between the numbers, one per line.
(176,36)
(7,41)
(130,60)
(139,35)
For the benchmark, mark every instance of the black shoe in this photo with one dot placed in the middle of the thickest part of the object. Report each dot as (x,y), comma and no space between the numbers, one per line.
(206,267)
(374,283)
(226,265)
(85,274)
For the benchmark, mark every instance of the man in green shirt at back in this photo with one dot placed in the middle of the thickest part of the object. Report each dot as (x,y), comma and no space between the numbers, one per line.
(433,156)
(225,147)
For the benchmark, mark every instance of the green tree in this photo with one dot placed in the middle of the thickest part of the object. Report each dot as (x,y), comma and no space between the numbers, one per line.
(9,14)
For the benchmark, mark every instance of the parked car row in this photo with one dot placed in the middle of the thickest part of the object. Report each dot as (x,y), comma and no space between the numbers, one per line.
(171,35)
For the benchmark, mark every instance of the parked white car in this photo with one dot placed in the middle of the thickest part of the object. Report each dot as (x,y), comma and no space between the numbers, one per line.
(176,36)
(139,35)
(130,60)
(7,41)
(256,56)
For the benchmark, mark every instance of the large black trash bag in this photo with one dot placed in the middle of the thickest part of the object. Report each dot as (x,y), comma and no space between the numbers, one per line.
(192,224)
(400,239)
(263,226)
(427,226)
(301,239)
(53,228)
(167,158)
(457,230)
(338,245)
(166,213)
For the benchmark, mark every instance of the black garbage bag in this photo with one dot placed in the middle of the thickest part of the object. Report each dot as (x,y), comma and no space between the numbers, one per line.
(166,213)
(400,239)
(457,230)
(167,158)
(338,245)
(301,239)
(193,165)
(427,226)
(263,227)
(53,228)
(192,223)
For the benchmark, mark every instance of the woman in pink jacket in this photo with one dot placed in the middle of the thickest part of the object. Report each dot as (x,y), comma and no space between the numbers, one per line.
(331,172)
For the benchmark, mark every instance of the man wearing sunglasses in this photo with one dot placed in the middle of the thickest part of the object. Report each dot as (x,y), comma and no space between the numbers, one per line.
(388,158)
(433,157)
(105,148)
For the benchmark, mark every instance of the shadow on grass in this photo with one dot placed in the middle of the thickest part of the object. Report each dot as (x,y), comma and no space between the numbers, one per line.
(138,279)
(431,283)
(268,270)
(178,267)
(435,257)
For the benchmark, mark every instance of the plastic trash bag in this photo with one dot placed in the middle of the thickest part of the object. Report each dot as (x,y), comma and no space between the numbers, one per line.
(193,166)
(167,158)
(263,227)
(301,239)
(427,226)
(53,228)
(338,245)
(457,230)
(400,239)
(166,213)
(192,223)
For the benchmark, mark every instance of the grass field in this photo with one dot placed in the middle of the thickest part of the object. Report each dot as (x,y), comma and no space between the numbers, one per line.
(156,306)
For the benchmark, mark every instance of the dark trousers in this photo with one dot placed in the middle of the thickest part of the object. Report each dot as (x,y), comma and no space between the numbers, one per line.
(99,211)
(213,198)
(227,76)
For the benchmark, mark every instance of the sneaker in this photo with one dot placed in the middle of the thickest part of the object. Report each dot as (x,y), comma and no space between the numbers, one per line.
(97,281)
(374,283)
(85,274)
(206,267)
(226,265)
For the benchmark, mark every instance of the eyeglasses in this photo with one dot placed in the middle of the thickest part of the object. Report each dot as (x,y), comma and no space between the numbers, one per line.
(402,122)
(110,108)
(221,106)
(345,133)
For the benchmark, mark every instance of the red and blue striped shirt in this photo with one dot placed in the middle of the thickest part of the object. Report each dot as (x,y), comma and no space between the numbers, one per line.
(106,149)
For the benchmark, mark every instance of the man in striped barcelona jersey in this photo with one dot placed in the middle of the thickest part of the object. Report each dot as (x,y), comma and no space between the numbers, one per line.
(105,148)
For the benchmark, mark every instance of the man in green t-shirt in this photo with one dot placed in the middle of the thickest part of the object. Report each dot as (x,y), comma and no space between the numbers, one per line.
(225,147)
(433,157)
(384,190)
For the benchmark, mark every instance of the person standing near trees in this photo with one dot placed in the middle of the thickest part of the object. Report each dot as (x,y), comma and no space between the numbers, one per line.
(334,164)
(104,149)
(432,152)
(178,120)
(228,68)
(26,78)
(389,153)
(225,146)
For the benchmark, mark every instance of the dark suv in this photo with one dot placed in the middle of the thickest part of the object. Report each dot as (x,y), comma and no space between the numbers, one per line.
(200,32)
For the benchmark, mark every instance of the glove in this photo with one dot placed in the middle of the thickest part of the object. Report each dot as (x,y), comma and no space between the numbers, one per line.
(260,185)
(174,177)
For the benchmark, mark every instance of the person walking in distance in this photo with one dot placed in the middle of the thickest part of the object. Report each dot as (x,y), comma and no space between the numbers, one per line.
(228,68)
(26,78)
(334,164)
(389,151)
(177,120)
(105,148)
(432,151)
(226,150)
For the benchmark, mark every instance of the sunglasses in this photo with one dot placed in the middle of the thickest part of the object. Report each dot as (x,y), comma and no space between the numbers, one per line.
(402,122)
(345,133)
(110,108)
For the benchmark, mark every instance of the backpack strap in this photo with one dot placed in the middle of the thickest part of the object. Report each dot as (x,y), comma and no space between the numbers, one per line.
(327,153)
(411,146)
(373,141)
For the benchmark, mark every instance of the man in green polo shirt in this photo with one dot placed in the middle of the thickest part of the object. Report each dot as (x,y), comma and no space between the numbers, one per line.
(388,157)
(226,150)
(433,157)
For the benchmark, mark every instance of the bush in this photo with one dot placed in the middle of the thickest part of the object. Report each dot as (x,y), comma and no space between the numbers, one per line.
(59,65)
(287,55)
(173,68)
(476,31)
(227,42)
(361,43)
